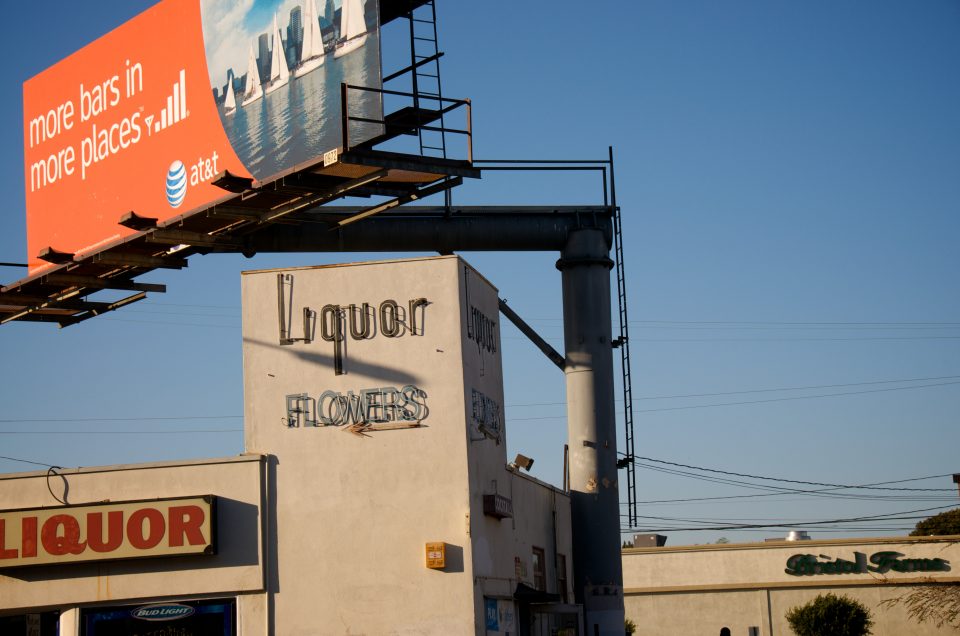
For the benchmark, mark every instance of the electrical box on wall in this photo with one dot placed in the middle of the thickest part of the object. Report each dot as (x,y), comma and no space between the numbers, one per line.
(436,555)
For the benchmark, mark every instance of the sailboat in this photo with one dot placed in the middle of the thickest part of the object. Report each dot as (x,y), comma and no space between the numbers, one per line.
(353,27)
(230,102)
(279,73)
(253,91)
(312,55)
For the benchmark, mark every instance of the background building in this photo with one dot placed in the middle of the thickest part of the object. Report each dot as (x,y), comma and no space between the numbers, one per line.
(697,590)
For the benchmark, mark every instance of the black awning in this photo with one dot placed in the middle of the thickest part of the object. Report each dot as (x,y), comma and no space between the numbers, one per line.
(526,594)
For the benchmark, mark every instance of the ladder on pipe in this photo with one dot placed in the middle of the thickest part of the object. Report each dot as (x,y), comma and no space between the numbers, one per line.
(623,343)
(425,62)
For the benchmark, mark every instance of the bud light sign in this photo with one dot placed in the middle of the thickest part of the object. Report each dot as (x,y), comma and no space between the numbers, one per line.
(162,612)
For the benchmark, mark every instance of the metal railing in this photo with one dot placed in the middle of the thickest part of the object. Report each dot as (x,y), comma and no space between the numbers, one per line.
(408,120)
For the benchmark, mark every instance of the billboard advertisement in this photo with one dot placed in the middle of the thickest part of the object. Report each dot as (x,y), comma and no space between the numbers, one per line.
(145,117)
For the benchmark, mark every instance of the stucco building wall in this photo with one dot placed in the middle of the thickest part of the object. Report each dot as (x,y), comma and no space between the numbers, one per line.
(695,590)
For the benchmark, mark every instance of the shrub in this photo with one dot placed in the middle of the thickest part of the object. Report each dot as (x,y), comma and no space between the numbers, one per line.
(830,615)
(944,523)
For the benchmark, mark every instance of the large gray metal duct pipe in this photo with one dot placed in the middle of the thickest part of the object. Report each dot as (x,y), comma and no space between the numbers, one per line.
(434,229)
(591,430)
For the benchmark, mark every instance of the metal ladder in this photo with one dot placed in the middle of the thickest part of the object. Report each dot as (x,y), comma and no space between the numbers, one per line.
(425,77)
(623,342)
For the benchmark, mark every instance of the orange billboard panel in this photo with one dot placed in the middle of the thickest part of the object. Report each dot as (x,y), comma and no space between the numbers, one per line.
(145,117)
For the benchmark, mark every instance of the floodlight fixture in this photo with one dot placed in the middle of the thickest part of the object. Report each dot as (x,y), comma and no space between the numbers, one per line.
(522,461)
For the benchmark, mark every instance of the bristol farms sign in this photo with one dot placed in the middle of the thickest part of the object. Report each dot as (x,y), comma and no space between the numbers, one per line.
(879,562)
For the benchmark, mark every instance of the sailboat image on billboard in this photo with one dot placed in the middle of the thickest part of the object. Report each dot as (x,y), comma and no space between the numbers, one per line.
(312,55)
(288,84)
(353,27)
(253,91)
(230,100)
(279,73)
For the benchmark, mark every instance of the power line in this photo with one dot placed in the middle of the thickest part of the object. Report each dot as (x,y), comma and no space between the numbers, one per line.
(534,404)
(819,529)
(803,388)
(801,323)
(811,483)
(119,419)
(183,313)
(779,490)
(25,461)
(887,517)
(178,324)
(163,304)
(764,401)
(151,432)
(864,339)
(797,397)
(775,390)
(780,494)
(798,323)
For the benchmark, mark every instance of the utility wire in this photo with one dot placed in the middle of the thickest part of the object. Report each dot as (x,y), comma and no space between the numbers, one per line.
(179,324)
(887,517)
(810,483)
(153,432)
(764,401)
(781,490)
(25,461)
(120,419)
(774,494)
(796,397)
(834,323)
(865,339)
(533,404)
(819,529)
(799,323)
(788,388)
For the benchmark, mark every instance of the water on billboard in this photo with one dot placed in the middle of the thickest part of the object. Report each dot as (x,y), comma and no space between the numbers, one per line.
(280,105)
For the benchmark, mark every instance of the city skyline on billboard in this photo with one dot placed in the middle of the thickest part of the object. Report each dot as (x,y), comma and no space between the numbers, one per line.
(145,117)
(269,97)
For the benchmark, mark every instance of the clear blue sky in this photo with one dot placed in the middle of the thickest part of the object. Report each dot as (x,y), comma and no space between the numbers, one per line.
(789,175)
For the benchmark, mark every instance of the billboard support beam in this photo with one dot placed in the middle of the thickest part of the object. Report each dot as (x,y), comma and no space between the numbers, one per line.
(140,260)
(134,221)
(55,256)
(446,184)
(232,183)
(195,239)
(104,283)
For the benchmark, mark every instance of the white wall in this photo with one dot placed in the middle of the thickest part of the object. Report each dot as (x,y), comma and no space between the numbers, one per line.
(354,512)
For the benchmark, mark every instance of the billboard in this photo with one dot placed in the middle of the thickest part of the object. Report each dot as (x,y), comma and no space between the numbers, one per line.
(145,117)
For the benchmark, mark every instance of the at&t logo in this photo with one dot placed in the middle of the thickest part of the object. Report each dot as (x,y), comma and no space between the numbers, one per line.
(176,184)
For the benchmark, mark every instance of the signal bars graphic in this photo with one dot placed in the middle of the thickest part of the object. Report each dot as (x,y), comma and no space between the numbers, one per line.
(176,105)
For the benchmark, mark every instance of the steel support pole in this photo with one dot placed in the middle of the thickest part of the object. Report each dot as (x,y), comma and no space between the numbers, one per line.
(591,429)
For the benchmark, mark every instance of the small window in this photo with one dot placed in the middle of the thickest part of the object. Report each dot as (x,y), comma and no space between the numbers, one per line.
(562,577)
(539,570)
